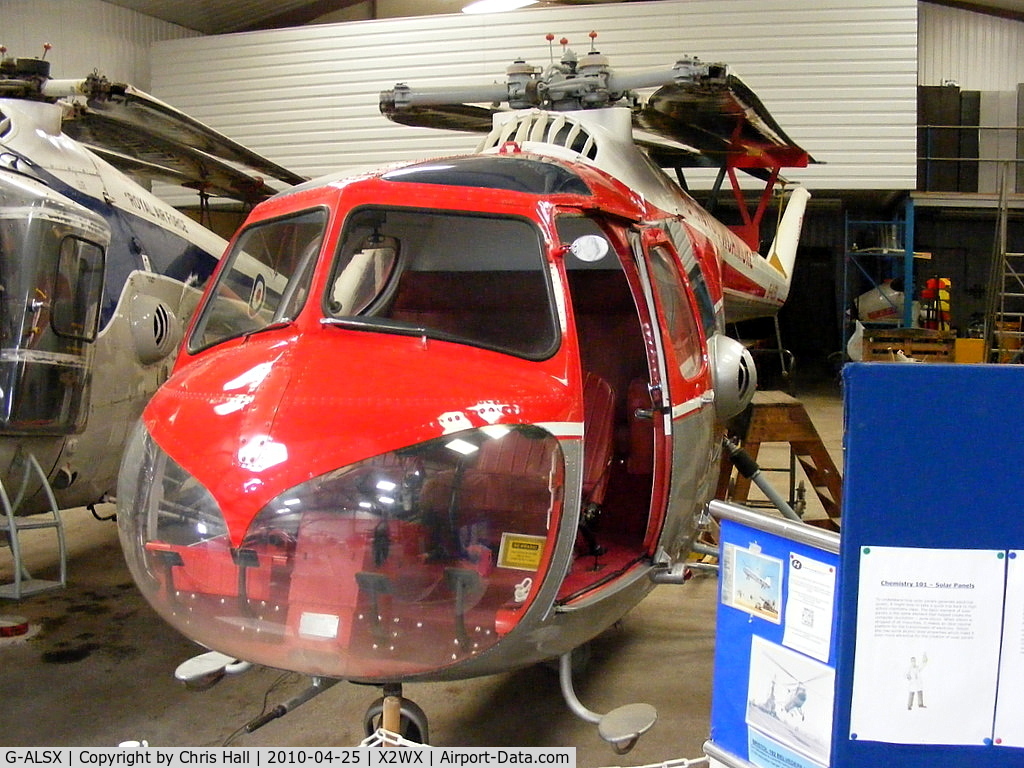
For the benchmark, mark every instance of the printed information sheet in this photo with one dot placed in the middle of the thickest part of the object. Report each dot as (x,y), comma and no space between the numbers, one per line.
(929,624)
(811,594)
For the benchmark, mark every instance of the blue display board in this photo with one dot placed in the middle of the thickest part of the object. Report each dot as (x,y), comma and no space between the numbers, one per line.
(932,525)
(775,648)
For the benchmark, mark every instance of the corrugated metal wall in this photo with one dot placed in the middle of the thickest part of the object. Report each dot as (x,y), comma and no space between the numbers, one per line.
(840,80)
(977,51)
(86,35)
(978,56)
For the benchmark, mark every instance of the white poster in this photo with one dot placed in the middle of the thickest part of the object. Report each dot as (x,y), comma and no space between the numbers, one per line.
(928,635)
(809,601)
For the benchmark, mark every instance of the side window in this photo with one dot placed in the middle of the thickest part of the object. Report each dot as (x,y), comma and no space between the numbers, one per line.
(77,292)
(704,302)
(265,280)
(674,302)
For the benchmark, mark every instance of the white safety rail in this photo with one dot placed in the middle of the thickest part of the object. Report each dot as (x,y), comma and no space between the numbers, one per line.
(693,762)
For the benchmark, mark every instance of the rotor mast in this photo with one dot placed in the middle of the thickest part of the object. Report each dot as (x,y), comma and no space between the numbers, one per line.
(573,83)
(698,105)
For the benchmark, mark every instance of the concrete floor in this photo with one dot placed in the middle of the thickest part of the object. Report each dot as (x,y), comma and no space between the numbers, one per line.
(97,666)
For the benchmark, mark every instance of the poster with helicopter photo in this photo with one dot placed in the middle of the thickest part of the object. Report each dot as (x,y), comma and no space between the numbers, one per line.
(752,581)
(790,699)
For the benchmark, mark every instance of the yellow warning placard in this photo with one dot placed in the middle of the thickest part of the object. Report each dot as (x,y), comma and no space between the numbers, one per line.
(520,551)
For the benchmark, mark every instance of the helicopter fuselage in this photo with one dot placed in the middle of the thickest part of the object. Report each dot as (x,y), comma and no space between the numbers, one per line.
(437,421)
(98,277)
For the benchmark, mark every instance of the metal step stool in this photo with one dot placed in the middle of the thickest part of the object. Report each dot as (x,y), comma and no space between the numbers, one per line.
(12,525)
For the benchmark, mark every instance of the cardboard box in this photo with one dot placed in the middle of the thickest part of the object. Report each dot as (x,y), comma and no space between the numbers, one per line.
(969,351)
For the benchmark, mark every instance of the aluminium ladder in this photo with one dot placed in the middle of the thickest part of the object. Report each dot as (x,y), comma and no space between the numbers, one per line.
(1004,315)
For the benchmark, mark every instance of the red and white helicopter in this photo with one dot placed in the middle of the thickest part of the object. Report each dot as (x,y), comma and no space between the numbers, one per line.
(458,416)
(98,277)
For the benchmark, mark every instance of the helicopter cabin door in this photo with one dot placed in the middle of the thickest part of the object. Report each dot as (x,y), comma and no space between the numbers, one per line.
(678,298)
(622,366)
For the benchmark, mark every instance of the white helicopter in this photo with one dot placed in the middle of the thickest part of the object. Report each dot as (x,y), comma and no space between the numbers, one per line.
(97,275)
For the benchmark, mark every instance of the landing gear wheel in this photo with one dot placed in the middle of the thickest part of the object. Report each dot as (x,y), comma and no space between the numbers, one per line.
(413,722)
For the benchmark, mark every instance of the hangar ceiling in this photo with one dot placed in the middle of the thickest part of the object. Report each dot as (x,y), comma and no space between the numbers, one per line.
(212,17)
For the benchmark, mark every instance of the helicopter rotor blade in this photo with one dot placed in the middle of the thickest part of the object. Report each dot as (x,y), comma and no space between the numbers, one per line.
(140,134)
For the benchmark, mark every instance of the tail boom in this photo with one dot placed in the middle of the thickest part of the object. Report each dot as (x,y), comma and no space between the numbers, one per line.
(756,285)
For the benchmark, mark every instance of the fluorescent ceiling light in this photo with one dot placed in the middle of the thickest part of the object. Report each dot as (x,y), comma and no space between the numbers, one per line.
(496,6)
(461,446)
(495,431)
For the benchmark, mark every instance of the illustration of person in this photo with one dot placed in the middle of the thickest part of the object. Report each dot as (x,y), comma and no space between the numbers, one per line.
(914,682)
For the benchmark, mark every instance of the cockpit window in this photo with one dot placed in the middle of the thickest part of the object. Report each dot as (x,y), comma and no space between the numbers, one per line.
(473,279)
(680,320)
(51,287)
(266,278)
(362,275)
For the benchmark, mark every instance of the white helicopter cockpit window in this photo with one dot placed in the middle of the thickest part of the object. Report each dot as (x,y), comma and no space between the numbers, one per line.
(265,279)
(472,279)
(51,288)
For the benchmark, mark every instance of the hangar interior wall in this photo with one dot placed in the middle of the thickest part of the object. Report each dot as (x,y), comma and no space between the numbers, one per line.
(971,74)
(840,78)
(976,50)
(86,35)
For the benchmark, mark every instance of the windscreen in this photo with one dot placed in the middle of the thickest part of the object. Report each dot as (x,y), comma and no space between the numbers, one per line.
(472,279)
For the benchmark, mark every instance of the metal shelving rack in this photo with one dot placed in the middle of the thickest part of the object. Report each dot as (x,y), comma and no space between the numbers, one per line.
(895,250)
